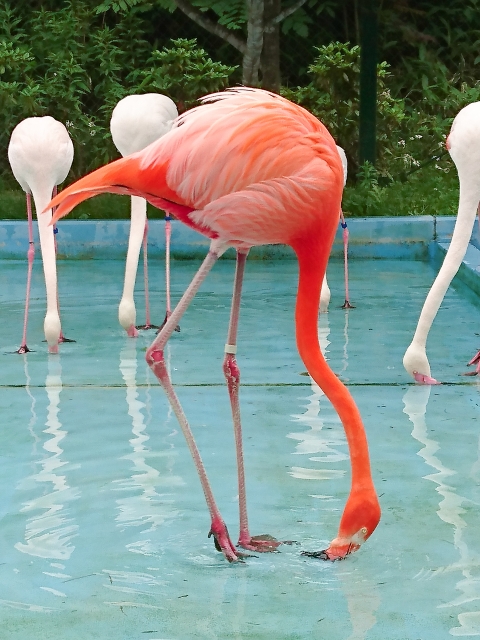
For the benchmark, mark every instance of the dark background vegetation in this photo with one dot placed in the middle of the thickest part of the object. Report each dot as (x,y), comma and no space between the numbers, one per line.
(74,59)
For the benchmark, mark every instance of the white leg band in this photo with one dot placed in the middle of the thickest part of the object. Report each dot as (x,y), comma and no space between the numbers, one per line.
(231,348)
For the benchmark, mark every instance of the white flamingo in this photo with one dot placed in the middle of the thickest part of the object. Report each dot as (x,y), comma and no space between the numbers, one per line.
(137,121)
(41,154)
(463,144)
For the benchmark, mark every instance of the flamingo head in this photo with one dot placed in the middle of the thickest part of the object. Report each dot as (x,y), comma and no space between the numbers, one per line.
(416,364)
(359,521)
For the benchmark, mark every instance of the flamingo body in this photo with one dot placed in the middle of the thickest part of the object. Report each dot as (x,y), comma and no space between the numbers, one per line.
(136,122)
(41,154)
(249,168)
(463,144)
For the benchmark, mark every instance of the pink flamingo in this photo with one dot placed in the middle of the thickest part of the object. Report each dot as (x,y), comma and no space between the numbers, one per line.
(41,154)
(249,168)
(463,144)
(137,121)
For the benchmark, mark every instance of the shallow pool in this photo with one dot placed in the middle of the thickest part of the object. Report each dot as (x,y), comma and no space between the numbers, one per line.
(103,524)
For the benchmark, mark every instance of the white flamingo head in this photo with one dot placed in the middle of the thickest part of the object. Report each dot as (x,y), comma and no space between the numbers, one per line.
(40,153)
(416,364)
(139,120)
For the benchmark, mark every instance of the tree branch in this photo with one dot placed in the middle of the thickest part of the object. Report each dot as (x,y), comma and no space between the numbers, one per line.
(284,14)
(212,27)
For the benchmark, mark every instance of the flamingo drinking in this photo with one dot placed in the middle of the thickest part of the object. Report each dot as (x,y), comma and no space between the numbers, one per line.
(136,122)
(463,144)
(248,168)
(41,154)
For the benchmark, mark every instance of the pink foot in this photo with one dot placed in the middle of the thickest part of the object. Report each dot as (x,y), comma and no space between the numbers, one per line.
(261,544)
(132,332)
(167,315)
(423,379)
(475,360)
(223,543)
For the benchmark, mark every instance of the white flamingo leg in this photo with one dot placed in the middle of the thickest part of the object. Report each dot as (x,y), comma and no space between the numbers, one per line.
(148,324)
(231,371)
(51,325)
(126,308)
(168,235)
(476,358)
(145,275)
(346,304)
(30,256)
(156,361)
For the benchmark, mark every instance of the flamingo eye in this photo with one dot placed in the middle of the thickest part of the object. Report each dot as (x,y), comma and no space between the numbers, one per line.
(364,530)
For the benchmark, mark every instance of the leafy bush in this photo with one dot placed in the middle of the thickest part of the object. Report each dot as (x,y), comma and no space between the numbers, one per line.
(81,66)
(409,133)
(431,191)
(333,96)
(183,72)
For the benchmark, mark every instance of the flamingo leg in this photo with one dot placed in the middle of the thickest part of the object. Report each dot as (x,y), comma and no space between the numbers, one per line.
(231,371)
(30,255)
(476,358)
(156,361)
(346,304)
(148,324)
(168,234)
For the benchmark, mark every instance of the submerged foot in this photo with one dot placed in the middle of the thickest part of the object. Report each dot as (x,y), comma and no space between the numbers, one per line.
(264,543)
(146,327)
(167,315)
(224,544)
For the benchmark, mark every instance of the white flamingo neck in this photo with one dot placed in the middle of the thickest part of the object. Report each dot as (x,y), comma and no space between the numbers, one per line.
(467,210)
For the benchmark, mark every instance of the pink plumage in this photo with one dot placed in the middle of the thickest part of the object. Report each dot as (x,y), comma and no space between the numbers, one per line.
(246,168)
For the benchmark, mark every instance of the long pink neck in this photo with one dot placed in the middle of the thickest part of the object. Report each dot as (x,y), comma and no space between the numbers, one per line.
(312,266)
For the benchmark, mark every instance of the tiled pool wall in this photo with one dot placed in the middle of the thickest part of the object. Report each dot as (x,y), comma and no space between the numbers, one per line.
(414,238)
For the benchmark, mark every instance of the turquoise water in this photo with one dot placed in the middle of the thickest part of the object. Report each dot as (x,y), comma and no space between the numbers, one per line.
(103,525)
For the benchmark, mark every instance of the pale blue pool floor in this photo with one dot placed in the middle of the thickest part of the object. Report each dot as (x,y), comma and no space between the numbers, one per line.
(103,526)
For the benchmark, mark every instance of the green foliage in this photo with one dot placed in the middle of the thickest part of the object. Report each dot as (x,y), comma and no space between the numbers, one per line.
(411,131)
(82,65)
(184,72)
(117,6)
(74,59)
(231,13)
(333,96)
(431,191)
